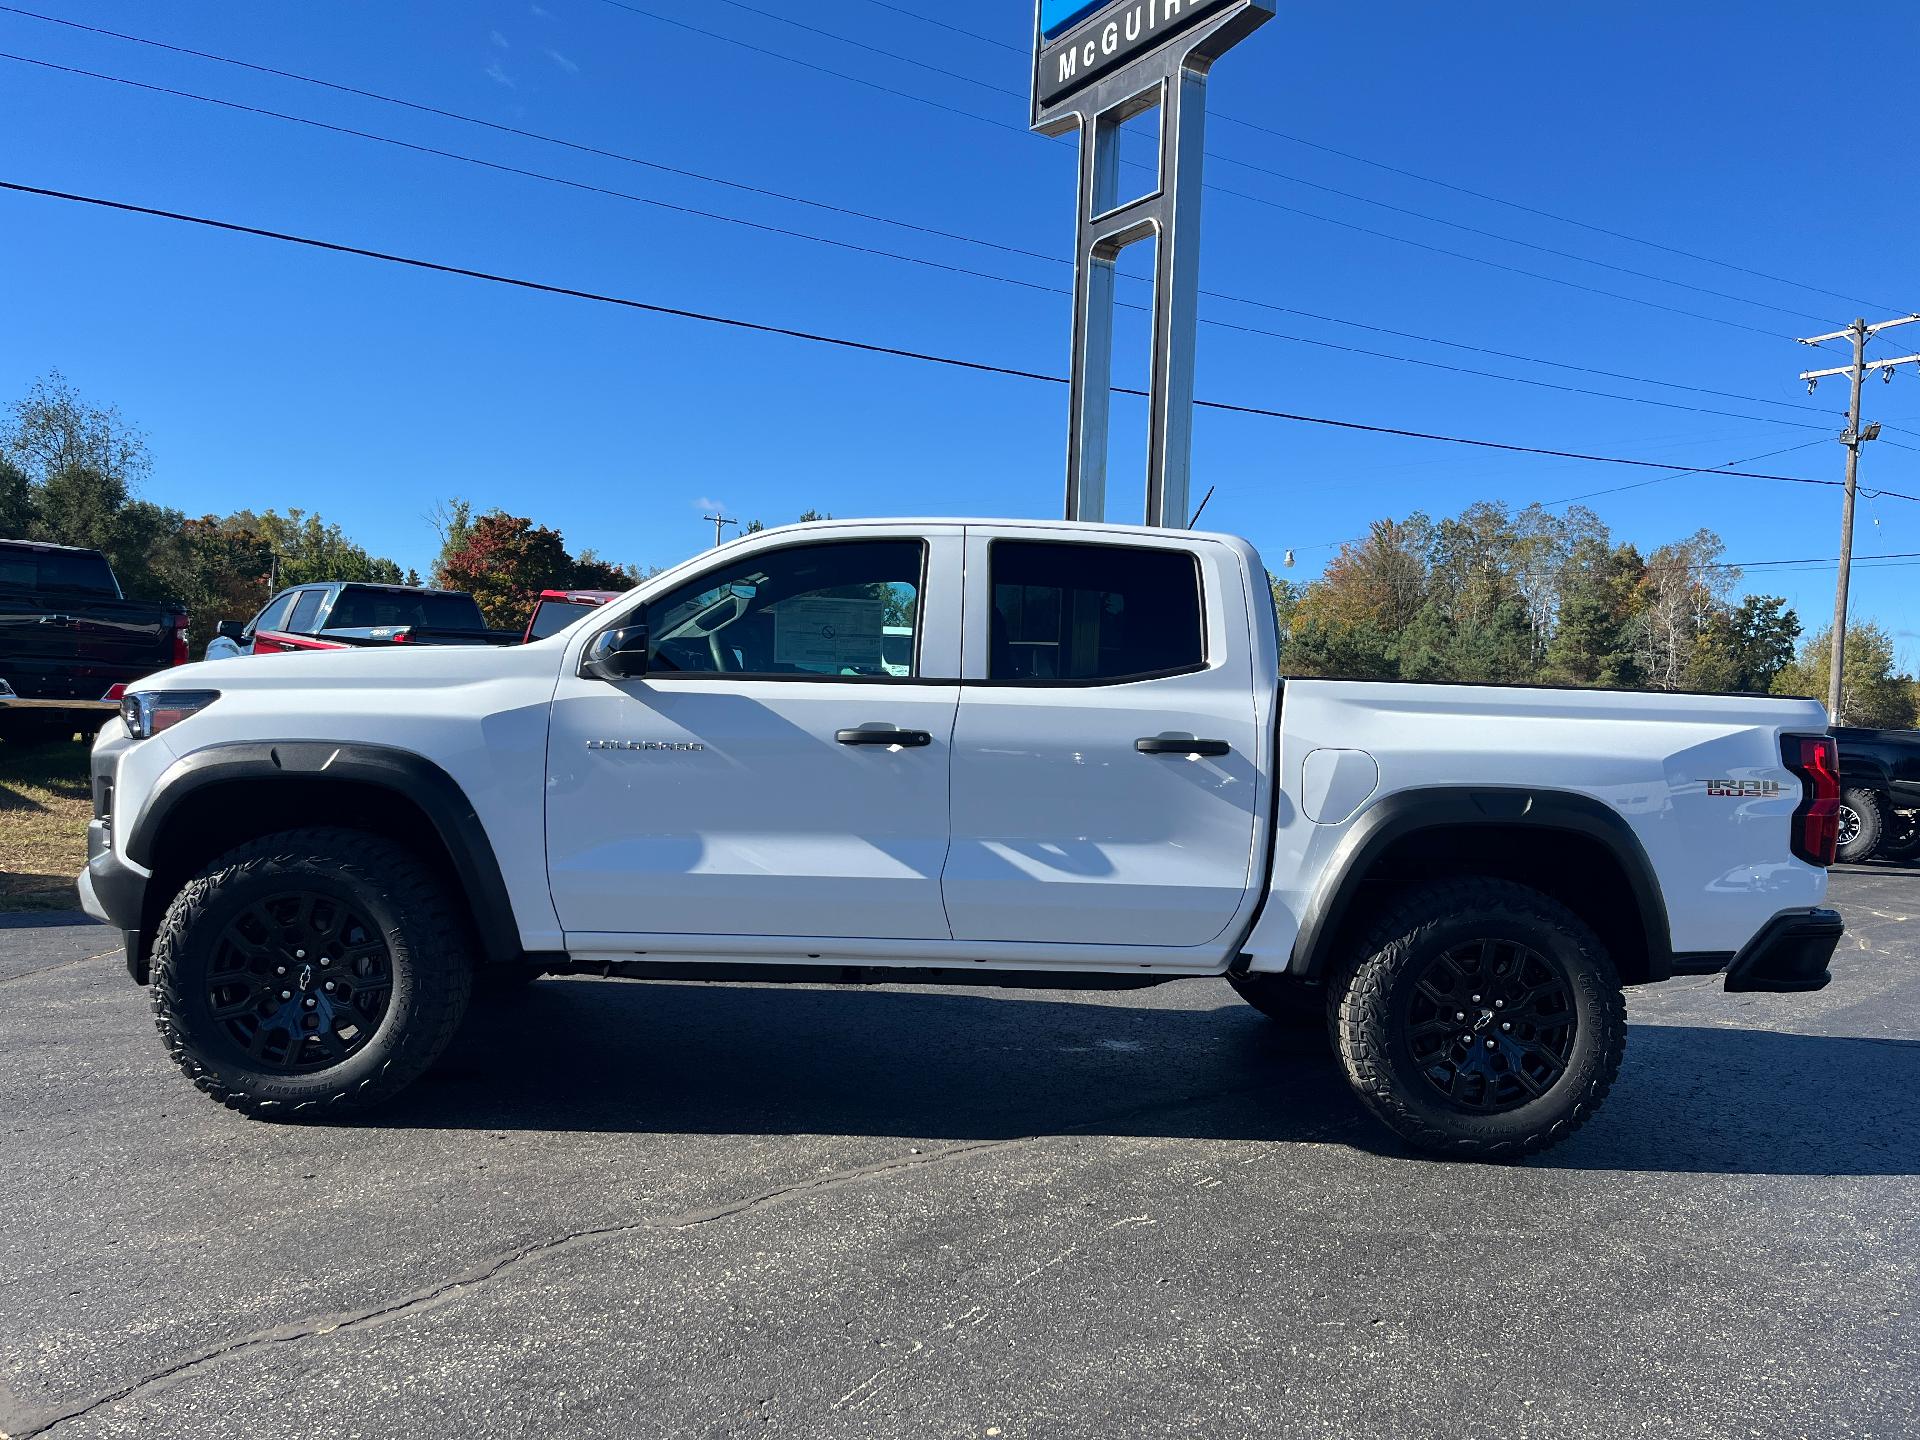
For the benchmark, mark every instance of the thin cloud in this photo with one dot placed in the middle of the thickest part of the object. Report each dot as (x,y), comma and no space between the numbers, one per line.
(497,73)
(499,40)
(719,507)
(562,61)
(543,14)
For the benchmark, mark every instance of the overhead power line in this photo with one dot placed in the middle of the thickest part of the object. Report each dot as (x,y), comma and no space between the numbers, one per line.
(811,202)
(863,346)
(877,252)
(1021,95)
(1214,188)
(1431,180)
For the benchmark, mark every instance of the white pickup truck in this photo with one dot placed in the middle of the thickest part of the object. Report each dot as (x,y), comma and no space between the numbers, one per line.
(1084,770)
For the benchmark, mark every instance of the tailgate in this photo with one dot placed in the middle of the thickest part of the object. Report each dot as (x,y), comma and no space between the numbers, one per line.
(50,650)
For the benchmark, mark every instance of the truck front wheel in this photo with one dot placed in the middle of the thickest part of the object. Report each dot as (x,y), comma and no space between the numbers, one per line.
(1480,1019)
(309,973)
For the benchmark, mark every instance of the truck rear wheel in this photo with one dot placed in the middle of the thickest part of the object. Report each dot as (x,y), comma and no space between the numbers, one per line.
(1480,1020)
(1903,836)
(308,973)
(1862,824)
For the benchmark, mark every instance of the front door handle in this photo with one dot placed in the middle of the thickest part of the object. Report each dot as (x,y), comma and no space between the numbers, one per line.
(1162,745)
(910,739)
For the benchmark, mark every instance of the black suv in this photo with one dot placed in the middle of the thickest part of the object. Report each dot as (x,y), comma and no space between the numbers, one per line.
(1879,793)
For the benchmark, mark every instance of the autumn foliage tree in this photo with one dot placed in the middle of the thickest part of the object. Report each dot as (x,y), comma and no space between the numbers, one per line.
(1490,595)
(504,561)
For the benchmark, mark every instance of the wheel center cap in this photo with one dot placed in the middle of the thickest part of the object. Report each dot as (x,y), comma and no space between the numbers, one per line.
(1483,1019)
(306,977)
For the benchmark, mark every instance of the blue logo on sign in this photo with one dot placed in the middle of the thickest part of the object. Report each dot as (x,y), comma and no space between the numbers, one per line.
(1058,15)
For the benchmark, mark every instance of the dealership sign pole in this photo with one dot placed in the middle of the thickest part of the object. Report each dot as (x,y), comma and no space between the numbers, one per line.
(1096,65)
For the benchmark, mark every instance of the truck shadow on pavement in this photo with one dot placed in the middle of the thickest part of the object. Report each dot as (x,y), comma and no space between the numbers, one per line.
(573,1055)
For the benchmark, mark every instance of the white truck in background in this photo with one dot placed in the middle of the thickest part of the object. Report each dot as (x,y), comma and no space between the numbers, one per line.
(1084,770)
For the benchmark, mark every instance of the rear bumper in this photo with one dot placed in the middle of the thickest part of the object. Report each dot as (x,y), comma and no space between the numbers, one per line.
(1789,954)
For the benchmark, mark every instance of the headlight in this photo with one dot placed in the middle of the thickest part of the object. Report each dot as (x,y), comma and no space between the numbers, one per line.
(148,712)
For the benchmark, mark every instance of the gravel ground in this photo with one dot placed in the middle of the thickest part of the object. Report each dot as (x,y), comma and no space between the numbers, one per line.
(685,1210)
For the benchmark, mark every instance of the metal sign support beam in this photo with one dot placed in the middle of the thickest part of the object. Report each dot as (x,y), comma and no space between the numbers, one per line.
(1170,75)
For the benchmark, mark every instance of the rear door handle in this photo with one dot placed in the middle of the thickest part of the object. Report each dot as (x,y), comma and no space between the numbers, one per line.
(910,739)
(1162,745)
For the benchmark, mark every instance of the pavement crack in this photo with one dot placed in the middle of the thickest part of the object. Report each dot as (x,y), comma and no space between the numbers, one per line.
(39,1424)
(58,965)
(36,1424)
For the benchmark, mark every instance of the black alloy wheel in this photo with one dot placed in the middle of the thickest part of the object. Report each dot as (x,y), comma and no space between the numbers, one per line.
(298,981)
(1491,1024)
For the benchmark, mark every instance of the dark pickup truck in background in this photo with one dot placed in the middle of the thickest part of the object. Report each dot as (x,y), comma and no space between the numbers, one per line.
(346,614)
(1879,793)
(69,639)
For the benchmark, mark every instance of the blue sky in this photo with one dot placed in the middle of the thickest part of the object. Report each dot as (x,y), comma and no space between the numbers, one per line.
(267,375)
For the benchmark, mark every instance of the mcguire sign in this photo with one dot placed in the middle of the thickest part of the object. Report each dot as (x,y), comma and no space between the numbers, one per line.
(1081,40)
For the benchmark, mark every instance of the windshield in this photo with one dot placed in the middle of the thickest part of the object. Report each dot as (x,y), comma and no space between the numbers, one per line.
(550,617)
(83,571)
(362,608)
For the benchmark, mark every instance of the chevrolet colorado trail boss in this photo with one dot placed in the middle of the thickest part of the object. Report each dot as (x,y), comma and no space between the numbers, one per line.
(1088,772)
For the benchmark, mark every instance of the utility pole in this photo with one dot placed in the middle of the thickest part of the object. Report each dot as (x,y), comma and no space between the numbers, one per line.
(1853,438)
(720,523)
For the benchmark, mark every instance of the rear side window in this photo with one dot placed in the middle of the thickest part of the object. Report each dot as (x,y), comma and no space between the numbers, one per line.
(67,571)
(1092,612)
(550,617)
(305,611)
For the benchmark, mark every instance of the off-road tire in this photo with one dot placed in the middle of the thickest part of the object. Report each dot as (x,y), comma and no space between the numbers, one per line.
(1870,808)
(1284,1000)
(426,946)
(1902,840)
(1373,992)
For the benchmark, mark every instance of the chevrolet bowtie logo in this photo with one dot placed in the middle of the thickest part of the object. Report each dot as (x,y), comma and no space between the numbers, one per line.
(645,745)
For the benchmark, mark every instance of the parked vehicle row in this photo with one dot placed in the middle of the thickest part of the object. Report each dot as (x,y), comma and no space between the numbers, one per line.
(1002,753)
(342,614)
(1879,795)
(69,640)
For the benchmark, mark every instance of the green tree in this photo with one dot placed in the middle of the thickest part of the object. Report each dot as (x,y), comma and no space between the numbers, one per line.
(53,430)
(1745,647)
(1592,639)
(18,516)
(1872,693)
(307,549)
(1494,645)
(218,570)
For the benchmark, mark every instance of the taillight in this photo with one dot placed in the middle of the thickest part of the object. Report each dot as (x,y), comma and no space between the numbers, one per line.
(1816,821)
(179,639)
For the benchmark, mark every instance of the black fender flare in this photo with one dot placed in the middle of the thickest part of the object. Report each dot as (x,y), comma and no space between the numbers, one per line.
(411,776)
(1407,812)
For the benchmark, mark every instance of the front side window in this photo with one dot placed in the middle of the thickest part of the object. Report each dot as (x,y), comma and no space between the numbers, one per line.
(1092,612)
(274,616)
(844,610)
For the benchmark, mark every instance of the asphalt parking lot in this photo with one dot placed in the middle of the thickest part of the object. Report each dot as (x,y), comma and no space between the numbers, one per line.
(682,1210)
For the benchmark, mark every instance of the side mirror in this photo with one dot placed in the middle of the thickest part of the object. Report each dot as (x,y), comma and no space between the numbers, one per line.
(615,655)
(234,630)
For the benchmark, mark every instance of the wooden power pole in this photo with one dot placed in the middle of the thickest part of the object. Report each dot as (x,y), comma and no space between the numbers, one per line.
(1853,438)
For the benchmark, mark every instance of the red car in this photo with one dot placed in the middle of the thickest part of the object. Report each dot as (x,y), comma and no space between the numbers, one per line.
(557,609)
